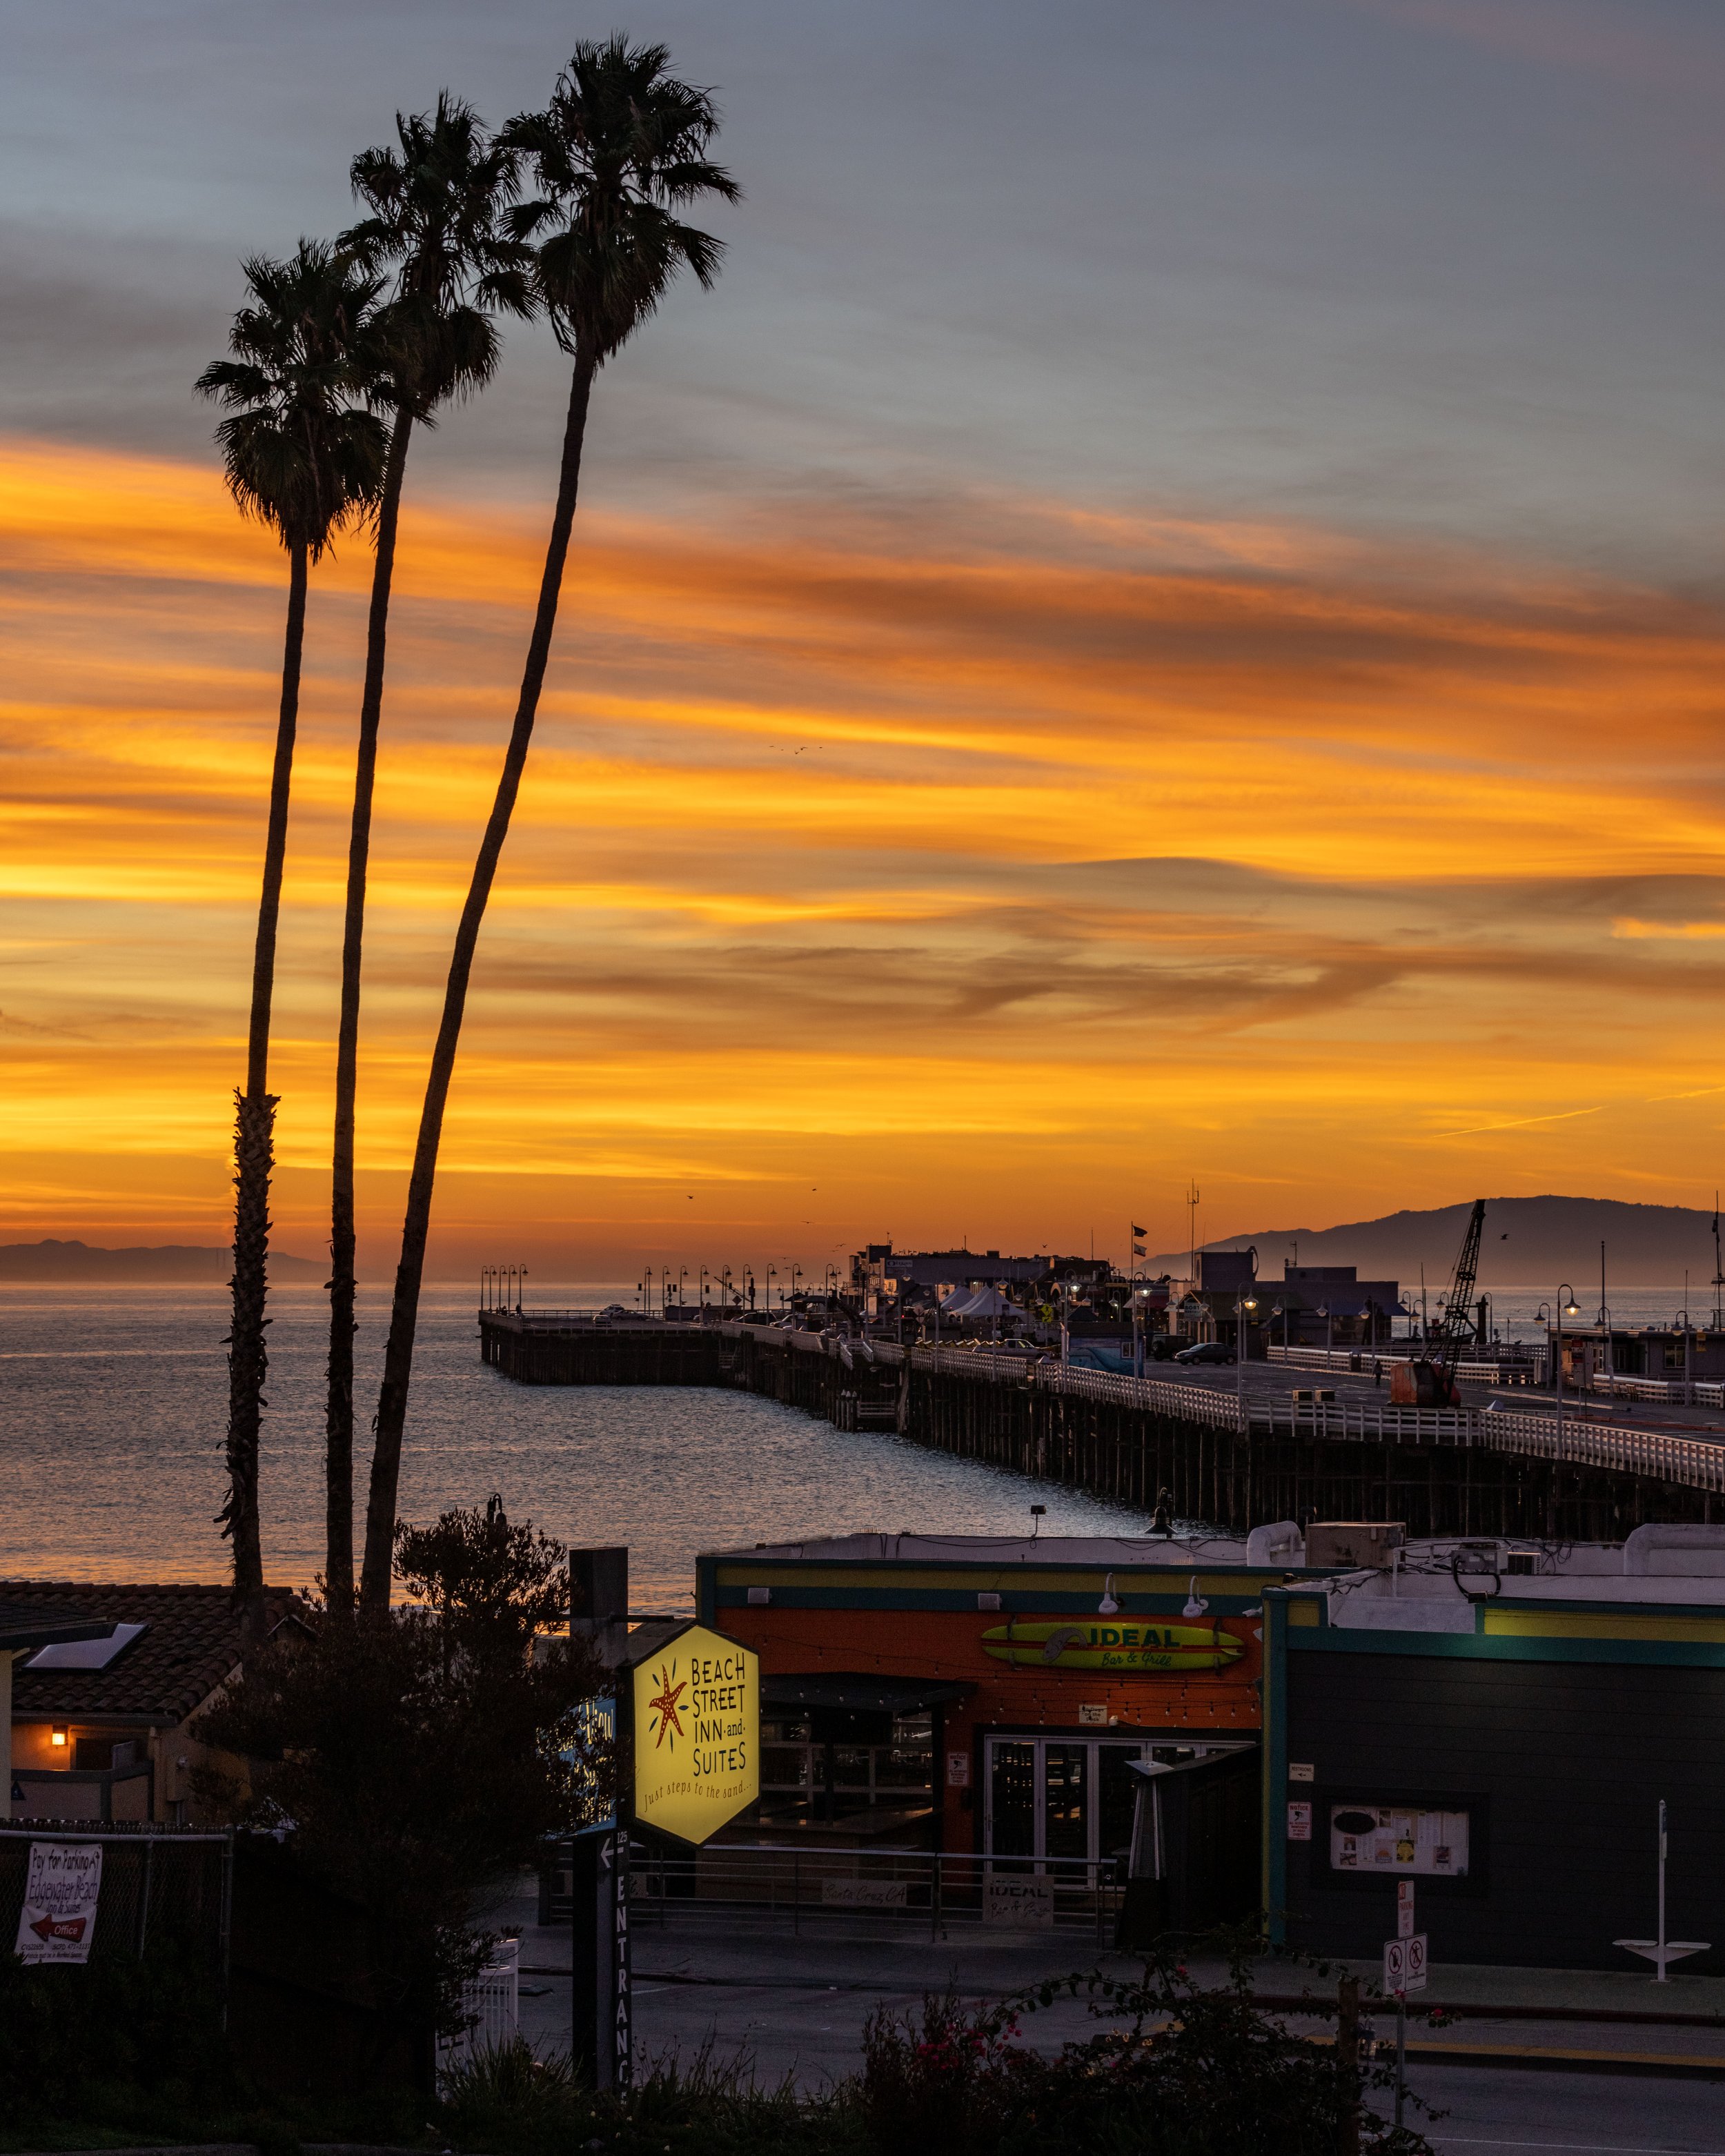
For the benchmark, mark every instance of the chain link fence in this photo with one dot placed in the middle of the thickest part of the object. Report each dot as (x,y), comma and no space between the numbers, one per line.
(160,1889)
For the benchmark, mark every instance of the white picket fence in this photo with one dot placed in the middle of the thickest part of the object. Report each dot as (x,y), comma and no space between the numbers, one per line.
(491,2003)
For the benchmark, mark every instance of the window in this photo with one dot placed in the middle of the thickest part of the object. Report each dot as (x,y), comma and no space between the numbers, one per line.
(803,1779)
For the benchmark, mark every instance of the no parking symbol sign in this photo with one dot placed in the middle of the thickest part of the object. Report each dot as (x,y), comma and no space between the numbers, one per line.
(1404,1963)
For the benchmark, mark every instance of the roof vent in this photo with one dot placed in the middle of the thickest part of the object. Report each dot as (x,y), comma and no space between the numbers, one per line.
(86,1654)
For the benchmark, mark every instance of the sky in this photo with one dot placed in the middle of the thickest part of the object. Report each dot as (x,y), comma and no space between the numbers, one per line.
(1162,623)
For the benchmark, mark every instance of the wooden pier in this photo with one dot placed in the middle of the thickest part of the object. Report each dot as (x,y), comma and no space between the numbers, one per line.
(1234,1464)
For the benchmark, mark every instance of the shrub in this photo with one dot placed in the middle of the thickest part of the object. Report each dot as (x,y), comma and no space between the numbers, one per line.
(1193,2072)
(507,2103)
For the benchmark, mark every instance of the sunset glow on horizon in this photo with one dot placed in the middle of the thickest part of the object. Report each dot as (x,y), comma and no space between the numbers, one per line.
(984,871)
(1163,619)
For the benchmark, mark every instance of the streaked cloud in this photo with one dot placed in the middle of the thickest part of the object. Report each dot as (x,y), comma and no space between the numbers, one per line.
(971,861)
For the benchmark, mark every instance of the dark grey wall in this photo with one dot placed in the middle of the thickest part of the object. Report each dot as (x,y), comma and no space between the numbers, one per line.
(1572,1758)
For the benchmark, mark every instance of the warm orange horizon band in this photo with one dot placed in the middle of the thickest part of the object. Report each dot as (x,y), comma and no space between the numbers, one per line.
(992,885)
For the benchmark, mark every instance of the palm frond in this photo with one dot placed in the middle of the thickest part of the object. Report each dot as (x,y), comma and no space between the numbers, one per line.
(621,144)
(302,450)
(441,200)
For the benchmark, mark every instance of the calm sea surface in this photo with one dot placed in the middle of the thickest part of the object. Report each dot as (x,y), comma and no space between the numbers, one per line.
(113,1407)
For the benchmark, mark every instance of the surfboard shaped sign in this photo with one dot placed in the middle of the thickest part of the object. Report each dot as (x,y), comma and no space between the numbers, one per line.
(1132,1649)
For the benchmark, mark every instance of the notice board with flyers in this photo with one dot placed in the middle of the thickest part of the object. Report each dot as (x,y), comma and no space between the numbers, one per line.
(1400,1840)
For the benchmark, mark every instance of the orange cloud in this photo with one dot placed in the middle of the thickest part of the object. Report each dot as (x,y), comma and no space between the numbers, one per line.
(977,865)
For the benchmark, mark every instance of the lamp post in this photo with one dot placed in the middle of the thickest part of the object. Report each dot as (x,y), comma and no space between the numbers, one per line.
(682,1275)
(1567,1307)
(772,1276)
(796,1275)
(1243,1307)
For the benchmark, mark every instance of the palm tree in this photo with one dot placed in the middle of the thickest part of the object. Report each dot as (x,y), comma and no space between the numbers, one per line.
(439,205)
(621,147)
(304,455)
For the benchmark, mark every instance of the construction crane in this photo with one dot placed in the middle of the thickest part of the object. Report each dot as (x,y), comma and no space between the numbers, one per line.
(1431,1383)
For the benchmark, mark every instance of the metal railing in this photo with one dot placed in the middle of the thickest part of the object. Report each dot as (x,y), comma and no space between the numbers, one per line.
(899,1887)
(1517,1366)
(1361,1419)
(1667,1392)
(1697,1463)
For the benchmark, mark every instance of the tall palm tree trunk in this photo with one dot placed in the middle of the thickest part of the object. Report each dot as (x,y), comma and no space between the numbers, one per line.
(338,1416)
(404,1310)
(254,1151)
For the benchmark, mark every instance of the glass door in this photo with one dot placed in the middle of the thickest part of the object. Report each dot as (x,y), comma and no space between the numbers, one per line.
(1065,1797)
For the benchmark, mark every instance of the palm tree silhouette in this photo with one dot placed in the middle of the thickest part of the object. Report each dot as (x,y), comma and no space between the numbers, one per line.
(621,147)
(438,202)
(304,455)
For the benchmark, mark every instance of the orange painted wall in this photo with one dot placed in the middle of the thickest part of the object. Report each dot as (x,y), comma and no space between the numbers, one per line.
(947,1645)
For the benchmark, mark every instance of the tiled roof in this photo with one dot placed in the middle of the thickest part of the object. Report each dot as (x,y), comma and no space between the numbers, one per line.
(40,1625)
(190,1645)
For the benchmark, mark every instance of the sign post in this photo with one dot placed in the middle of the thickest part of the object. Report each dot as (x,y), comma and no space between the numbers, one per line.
(696,1764)
(1403,1971)
(599,2007)
(688,1730)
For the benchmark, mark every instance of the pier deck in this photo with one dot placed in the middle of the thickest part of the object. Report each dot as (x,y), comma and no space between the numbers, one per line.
(1231,1457)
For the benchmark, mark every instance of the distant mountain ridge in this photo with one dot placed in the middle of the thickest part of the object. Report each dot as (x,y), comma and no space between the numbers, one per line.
(1529,1242)
(52,1262)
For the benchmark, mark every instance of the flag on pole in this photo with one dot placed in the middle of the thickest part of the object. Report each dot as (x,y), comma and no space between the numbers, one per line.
(1141,1231)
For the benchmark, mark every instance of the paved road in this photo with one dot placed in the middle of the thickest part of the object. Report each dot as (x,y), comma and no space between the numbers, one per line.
(796,2005)
(1489,2114)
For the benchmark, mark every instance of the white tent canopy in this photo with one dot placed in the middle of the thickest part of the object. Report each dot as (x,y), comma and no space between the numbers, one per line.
(975,1302)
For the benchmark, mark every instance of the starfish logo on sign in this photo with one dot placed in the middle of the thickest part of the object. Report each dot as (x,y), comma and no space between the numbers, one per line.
(665,1706)
(696,1703)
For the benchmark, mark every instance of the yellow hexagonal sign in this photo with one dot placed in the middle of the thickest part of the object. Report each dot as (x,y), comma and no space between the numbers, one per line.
(697,1734)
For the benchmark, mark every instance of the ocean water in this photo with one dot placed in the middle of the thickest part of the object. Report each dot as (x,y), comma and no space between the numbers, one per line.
(113,1405)
(1515,1310)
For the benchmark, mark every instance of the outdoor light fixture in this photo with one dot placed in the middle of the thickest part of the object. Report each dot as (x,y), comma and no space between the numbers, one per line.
(1195,1604)
(1108,1607)
(58,1738)
(1037,1514)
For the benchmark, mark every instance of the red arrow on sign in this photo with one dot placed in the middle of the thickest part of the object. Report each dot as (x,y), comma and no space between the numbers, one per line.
(59,1928)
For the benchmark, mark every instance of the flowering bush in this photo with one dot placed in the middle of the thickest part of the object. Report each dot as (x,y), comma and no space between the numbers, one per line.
(1181,2070)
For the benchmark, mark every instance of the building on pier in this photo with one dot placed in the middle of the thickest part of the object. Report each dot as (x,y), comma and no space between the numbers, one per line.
(1310,1307)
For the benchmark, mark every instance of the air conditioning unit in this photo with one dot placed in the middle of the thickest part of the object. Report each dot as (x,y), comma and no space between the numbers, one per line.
(1353,1545)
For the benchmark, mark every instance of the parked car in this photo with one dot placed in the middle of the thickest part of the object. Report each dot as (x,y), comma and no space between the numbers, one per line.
(1206,1351)
(1162,1347)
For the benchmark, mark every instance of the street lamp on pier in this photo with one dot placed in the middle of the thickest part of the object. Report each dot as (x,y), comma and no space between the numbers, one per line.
(1243,1308)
